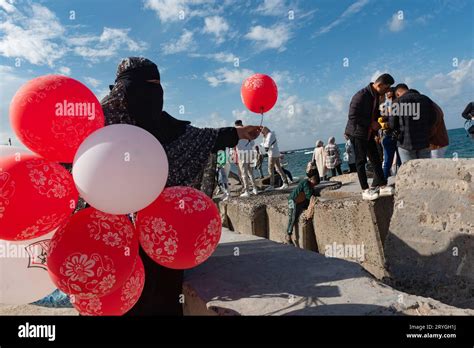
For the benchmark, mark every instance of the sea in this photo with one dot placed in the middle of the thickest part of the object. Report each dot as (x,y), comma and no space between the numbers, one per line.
(460,146)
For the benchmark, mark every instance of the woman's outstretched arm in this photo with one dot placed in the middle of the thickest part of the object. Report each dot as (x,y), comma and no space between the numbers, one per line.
(230,136)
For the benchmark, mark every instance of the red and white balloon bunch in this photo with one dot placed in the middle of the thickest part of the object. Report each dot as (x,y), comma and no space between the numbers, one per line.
(92,255)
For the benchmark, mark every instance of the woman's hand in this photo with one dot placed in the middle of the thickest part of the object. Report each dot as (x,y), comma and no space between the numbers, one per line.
(249,132)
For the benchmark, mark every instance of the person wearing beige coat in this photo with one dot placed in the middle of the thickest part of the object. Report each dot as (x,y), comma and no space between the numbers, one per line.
(319,157)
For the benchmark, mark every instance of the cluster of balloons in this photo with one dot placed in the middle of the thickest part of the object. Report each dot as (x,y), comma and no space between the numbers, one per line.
(119,170)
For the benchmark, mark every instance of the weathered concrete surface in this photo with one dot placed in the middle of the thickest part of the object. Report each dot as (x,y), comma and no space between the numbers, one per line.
(248,275)
(430,246)
(303,233)
(266,215)
(34,310)
(355,223)
(247,216)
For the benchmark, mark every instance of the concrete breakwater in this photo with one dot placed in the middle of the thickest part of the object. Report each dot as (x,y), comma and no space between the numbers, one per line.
(420,241)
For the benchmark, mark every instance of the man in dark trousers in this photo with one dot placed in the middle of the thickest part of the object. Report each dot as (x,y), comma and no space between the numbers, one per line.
(362,127)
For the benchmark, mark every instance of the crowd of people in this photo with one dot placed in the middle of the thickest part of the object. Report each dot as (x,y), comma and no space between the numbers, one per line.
(387,126)
(248,158)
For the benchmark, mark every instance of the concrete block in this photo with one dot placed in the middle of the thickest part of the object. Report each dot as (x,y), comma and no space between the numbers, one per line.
(430,246)
(354,229)
(303,233)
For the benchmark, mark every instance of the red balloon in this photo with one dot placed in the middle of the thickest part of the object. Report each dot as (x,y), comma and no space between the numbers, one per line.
(259,93)
(94,254)
(180,229)
(53,114)
(36,196)
(118,302)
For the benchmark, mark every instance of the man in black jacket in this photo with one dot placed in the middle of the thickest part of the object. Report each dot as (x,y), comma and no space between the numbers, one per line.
(413,116)
(362,128)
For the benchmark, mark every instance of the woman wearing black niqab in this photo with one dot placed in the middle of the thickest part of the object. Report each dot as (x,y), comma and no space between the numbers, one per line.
(137,99)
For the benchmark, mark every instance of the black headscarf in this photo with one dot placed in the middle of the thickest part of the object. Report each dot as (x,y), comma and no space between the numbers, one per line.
(144,100)
(133,100)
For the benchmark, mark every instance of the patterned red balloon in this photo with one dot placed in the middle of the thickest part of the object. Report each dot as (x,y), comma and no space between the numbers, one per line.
(93,254)
(118,302)
(36,196)
(180,229)
(53,114)
(259,93)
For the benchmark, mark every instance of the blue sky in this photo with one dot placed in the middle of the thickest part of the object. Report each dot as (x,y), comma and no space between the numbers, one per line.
(303,44)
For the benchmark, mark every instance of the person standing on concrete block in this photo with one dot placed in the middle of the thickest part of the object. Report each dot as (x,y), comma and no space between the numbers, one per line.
(333,157)
(319,159)
(258,165)
(270,143)
(362,127)
(245,157)
(300,198)
(413,122)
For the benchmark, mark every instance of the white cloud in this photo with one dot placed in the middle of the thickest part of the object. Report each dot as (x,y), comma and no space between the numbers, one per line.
(221,57)
(10,82)
(216,26)
(269,38)
(184,43)
(282,78)
(36,35)
(7,6)
(272,7)
(213,121)
(32,36)
(90,81)
(175,10)
(452,84)
(228,76)
(106,45)
(338,101)
(396,23)
(349,12)
(64,70)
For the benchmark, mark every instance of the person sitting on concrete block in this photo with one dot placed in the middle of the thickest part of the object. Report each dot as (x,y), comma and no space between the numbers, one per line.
(301,197)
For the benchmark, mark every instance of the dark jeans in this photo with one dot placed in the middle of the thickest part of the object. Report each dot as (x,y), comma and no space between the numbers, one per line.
(294,211)
(352,168)
(337,169)
(161,294)
(288,174)
(389,149)
(362,149)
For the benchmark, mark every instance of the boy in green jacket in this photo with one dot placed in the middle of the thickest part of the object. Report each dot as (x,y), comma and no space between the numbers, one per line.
(300,198)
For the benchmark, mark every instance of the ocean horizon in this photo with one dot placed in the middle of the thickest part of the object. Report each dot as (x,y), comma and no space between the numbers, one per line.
(460,146)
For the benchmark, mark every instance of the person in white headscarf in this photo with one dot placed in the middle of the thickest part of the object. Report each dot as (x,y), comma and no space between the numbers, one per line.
(319,159)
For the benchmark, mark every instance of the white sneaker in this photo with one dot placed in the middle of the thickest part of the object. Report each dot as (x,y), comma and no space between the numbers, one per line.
(269,188)
(370,194)
(386,191)
(226,196)
(246,194)
(254,191)
(282,187)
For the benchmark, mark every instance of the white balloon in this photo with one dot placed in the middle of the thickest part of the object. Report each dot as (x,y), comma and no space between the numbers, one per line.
(24,276)
(120,169)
